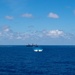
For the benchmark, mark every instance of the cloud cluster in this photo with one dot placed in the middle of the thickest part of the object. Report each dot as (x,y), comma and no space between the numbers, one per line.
(55,33)
(8,33)
(53,15)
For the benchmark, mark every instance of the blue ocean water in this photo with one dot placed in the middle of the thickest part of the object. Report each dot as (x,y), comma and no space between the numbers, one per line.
(22,60)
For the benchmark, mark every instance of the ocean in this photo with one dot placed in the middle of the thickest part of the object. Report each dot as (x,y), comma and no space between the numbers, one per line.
(22,60)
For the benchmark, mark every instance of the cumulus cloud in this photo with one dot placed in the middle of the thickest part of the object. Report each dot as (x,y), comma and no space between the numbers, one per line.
(53,15)
(27,15)
(9,17)
(55,33)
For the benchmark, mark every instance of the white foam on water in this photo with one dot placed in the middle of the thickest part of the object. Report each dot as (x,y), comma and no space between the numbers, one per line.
(38,50)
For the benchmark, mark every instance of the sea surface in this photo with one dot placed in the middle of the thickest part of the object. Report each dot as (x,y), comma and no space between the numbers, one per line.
(22,60)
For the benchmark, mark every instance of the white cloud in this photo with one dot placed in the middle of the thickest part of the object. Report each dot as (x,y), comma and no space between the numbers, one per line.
(6,29)
(53,15)
(55,33)
(19,37)
(69,36)
(9,17)
(27,15)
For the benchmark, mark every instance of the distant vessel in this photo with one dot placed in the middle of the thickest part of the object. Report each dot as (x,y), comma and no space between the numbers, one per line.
(32,45)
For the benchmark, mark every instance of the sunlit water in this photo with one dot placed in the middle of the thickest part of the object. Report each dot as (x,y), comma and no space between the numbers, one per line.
(22,60)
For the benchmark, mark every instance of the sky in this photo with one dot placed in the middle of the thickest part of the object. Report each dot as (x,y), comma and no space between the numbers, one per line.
(43,22)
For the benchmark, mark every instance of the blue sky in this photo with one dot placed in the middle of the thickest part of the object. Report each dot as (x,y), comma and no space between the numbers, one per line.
(50,22)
